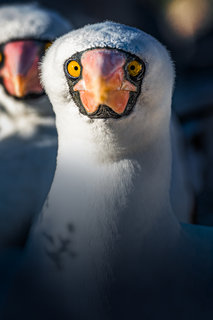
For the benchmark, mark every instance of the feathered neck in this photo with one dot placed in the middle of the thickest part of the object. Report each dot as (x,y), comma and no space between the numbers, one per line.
(23,117)
(111,170)
(108,204)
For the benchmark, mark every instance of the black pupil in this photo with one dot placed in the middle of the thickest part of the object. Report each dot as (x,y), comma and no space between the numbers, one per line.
(76,68)
(132,67)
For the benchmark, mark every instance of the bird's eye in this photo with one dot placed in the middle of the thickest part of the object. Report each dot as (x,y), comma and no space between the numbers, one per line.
(134,68)
(47,45)
(74,69)
(1,58)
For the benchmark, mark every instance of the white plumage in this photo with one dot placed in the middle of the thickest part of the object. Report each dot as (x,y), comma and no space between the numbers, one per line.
(32,21)
(27,129)
(107,244)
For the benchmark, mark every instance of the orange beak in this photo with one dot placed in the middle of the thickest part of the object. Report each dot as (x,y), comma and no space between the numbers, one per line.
(20,74)
(103,81)
(19,86)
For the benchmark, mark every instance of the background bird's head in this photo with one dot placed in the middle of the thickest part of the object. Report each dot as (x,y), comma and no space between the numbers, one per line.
(26,31)
(109,71)
(19,67)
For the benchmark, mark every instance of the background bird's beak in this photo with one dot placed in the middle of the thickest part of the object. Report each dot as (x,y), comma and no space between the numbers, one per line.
(103,81)
(19,86)
(20,74)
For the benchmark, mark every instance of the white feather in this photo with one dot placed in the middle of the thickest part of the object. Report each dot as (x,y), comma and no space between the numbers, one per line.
(21,21)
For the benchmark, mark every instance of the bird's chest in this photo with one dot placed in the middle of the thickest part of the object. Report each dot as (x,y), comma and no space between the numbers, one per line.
(81,217)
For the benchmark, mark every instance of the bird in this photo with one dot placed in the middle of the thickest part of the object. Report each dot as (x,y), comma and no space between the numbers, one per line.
(107,244)
(28,140)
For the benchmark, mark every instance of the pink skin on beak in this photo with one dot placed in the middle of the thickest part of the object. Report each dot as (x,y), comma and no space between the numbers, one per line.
(103,80)
(20,72)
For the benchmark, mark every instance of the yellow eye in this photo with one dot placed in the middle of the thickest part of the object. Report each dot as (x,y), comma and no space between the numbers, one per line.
(47,45)
(134,68)
(74,69)
(1,57)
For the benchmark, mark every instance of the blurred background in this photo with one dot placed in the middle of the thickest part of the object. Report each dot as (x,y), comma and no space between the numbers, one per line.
(185,27)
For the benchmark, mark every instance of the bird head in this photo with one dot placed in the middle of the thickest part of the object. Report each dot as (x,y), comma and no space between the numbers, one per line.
(104,82)
(111,73)
(19,67)
(26,31)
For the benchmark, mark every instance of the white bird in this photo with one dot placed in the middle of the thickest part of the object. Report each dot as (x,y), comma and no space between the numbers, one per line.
(107,244)
(28,141)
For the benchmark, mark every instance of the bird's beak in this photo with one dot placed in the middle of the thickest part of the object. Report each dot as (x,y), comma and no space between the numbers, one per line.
(19,86)
(103,81)
(20,73)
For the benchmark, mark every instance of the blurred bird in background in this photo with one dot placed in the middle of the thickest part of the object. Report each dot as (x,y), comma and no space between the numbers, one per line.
(27,132)
(28,140)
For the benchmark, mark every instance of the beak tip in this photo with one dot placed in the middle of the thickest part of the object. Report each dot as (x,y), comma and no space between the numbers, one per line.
(19,86)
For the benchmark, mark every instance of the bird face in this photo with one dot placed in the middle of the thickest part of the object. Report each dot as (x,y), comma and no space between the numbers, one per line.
(104,82)
(19,72)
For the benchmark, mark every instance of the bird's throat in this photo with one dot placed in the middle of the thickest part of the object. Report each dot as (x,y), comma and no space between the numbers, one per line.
(97,186)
